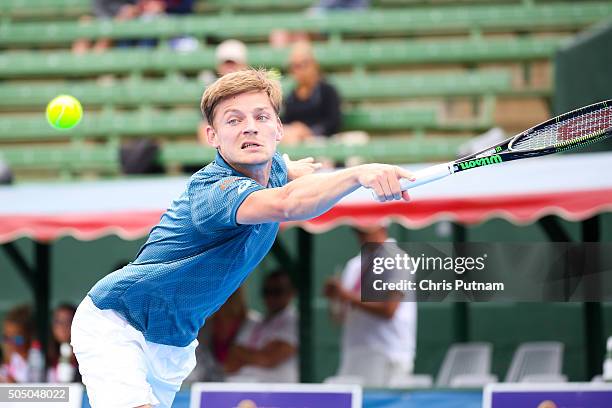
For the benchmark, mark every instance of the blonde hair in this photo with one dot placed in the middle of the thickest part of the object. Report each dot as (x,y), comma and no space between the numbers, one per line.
(235,83)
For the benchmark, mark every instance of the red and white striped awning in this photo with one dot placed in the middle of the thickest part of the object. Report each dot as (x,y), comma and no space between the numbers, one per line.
(574,187)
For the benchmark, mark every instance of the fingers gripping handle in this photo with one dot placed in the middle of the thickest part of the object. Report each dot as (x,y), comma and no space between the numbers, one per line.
(427,176)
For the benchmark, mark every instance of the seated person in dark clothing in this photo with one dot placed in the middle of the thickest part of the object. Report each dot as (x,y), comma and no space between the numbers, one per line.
(313,106)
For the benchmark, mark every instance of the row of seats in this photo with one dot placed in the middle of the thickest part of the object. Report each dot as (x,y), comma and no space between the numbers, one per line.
(77,158)
(183,122)
(468,365)
(330,56)
(172,91)
(403,21)
(23,9)
(63,8)
(32,9)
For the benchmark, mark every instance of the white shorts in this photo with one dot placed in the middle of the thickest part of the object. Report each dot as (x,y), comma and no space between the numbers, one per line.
(120,369)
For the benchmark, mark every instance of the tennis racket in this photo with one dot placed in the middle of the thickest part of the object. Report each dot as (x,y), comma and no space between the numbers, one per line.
(570,130)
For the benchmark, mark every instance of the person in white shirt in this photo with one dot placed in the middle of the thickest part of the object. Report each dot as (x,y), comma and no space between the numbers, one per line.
(266,351)
(379,338)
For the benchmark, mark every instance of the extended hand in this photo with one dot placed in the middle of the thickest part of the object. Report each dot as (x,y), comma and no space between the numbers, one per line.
(333,289)
(384,179)
(299,168)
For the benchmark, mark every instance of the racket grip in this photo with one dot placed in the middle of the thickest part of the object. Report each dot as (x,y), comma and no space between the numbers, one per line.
(427,176)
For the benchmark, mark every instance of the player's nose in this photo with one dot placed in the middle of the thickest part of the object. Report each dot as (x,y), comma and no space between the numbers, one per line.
(250,126)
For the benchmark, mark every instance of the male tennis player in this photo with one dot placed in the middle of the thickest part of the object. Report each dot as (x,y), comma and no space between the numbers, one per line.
(134,334)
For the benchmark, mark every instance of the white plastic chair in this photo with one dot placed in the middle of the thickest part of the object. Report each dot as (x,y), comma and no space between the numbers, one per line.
(412,381)
(344,379)
(466,365)
(369,368)
(537,362)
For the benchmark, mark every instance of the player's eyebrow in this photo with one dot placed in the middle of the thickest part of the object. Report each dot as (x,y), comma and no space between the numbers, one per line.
(233,111)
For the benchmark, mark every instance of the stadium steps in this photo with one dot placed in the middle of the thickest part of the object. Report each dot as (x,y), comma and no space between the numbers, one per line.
(374,22)
(29,64)
(172,91)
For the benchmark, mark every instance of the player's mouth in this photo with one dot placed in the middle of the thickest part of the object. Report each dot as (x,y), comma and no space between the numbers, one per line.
(250,146)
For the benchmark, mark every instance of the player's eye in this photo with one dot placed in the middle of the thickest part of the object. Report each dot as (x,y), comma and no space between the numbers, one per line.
(232,121)
(263,117)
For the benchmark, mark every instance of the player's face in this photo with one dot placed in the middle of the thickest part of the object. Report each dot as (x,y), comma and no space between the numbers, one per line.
(246,129)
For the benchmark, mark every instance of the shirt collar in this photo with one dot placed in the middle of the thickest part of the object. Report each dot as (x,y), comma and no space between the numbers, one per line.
(220,161)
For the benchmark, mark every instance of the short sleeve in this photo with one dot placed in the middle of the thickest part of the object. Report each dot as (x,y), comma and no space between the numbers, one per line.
(279,171)
(285,332)
(351,273)
(214,203)
(244,334)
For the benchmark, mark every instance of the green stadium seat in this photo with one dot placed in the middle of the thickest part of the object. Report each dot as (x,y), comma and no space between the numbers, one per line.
(353,88)
(373,22)
(150,122)
(370,53)
(44,8)
(105,157)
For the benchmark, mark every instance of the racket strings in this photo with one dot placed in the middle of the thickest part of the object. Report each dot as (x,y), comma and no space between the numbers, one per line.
(568,131)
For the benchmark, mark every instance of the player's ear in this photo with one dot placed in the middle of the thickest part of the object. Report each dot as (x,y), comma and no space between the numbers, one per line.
(279,129)
(211,137)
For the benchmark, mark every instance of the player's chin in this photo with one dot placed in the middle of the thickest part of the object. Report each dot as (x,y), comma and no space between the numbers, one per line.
(259,157)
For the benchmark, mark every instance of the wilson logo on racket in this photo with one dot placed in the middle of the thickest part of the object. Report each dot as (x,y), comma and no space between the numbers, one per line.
(483,161)
(578,128)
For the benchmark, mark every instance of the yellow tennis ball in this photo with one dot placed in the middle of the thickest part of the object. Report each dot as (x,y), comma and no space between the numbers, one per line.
(64,112)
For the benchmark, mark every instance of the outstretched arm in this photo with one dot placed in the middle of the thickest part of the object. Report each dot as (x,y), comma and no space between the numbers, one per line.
(312,195)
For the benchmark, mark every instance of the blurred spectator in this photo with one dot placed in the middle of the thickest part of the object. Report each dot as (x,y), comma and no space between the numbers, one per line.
(378,339)
(219,335)
(60,337)
(152,9)
(119,10)
(227,322)
(207,367)
(6,175)
(17,332)
(313,106)
(123,10)
(231,56)
(140,156)
(281,38)
(266,350)
(326,5)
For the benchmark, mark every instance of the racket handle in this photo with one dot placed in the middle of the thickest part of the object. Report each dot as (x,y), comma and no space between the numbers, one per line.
(427,176)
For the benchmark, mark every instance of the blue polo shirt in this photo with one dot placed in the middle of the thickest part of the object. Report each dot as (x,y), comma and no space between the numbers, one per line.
(194,259)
